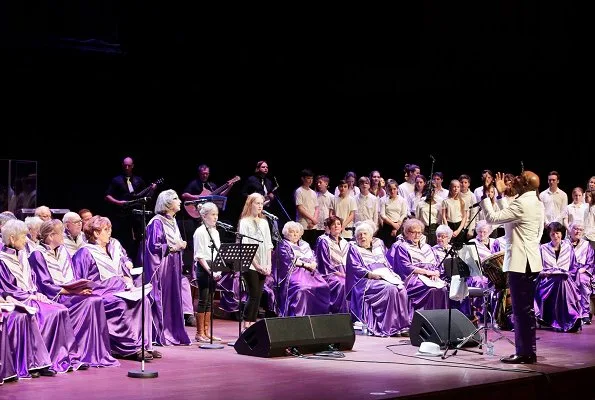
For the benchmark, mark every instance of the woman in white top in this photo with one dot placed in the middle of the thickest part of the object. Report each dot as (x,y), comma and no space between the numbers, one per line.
(255,229)
(575,211)
(453,209)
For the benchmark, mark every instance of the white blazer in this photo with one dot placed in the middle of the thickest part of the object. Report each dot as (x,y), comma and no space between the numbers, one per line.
(523,223)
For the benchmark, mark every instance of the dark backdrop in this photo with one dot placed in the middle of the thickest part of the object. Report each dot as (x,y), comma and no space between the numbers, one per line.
(475,85)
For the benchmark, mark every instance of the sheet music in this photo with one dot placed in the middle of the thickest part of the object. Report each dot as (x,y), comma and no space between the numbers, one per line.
(23,307)
(389,276)
(79,285)
(470,256)
(134,294)
(7,307)
(438,283)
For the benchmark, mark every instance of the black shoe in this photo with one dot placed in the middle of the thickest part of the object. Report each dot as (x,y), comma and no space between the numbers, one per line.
(34,374)
(47,372)
(139,356)
(586,321)
(83,367)
(514,359)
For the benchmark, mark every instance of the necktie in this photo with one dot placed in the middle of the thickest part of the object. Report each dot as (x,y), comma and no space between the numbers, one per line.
(130,188)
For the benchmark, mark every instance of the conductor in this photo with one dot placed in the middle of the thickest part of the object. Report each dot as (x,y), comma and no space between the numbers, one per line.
(523,225)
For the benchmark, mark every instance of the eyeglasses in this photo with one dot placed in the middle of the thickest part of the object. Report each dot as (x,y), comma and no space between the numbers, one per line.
(415,232)
(80,221)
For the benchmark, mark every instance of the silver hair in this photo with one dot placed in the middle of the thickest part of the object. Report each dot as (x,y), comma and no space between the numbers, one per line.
(13,227)
(482,223)
(444,229)
(5,217)
(364,227)
(292,225)
(165,201)
(70,216)
(33,222)
(208,208)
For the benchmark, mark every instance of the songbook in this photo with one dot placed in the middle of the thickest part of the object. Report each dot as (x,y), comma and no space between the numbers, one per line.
(135,293)
(136,271)
(7,307)
(79,285)
(389,276)
(438,283)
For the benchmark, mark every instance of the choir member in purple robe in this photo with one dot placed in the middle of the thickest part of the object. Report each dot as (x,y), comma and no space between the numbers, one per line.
(585,259)
(18,281)
(52,266)
(28,356)
(331,256)
(416,264)
(557,297)
(104,261)
(377,296)
(485,248)
(163,268)
(302,290)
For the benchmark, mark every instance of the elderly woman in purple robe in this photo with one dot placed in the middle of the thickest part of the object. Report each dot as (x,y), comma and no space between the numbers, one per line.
(557,298)
(416,264)
(163,268)
(585,259)
(302,290)
(104,261)
(331,256)
(18,281)
(376,295)
(52,267)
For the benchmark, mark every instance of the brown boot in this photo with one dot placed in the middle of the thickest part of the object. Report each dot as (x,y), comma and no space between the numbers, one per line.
(200,328)
(208,327)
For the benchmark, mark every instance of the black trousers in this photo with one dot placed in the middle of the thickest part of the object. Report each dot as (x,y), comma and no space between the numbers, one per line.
(254,284)
(522,293)
(206,287)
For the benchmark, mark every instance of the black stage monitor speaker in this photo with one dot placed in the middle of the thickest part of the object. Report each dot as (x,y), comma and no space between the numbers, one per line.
(270,337)
(432,326)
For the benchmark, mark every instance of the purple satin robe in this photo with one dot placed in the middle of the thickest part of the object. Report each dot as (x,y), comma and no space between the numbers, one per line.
(301,292)
(557,298)
(585,258)
(382,306)
(24,344)
(406,257)
(333,272)
(230,289)
(87,314)
(164,270)
(53,319)
(123,316)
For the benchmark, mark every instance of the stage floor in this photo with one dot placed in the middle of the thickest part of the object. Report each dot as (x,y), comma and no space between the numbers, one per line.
(376,368)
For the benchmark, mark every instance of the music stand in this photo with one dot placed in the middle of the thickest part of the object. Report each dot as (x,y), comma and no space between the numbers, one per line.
(235,257)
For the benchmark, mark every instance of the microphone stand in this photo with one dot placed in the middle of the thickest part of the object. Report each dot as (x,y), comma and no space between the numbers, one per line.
(211,284)
(143,373)
(429,199)
(240,304)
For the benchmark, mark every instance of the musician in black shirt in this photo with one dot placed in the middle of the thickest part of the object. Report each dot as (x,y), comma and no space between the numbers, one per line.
(126,227)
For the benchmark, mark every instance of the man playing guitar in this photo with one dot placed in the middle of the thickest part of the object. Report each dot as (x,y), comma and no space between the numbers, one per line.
(202,187)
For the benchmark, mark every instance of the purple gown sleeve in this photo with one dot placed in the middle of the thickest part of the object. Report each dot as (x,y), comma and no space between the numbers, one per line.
(8,284)
(43,278)
(403,265)
(285,260)
(355,268)
(323,257)
(83,265)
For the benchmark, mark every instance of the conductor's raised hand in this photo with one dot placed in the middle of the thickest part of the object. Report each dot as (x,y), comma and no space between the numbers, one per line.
(499,181)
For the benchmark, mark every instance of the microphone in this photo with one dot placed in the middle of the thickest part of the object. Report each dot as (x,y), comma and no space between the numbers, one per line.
(140,200)
(140,212)
(223,225)
(522,168)
(432,157)
(475,205)
(195,202)
(271,216)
